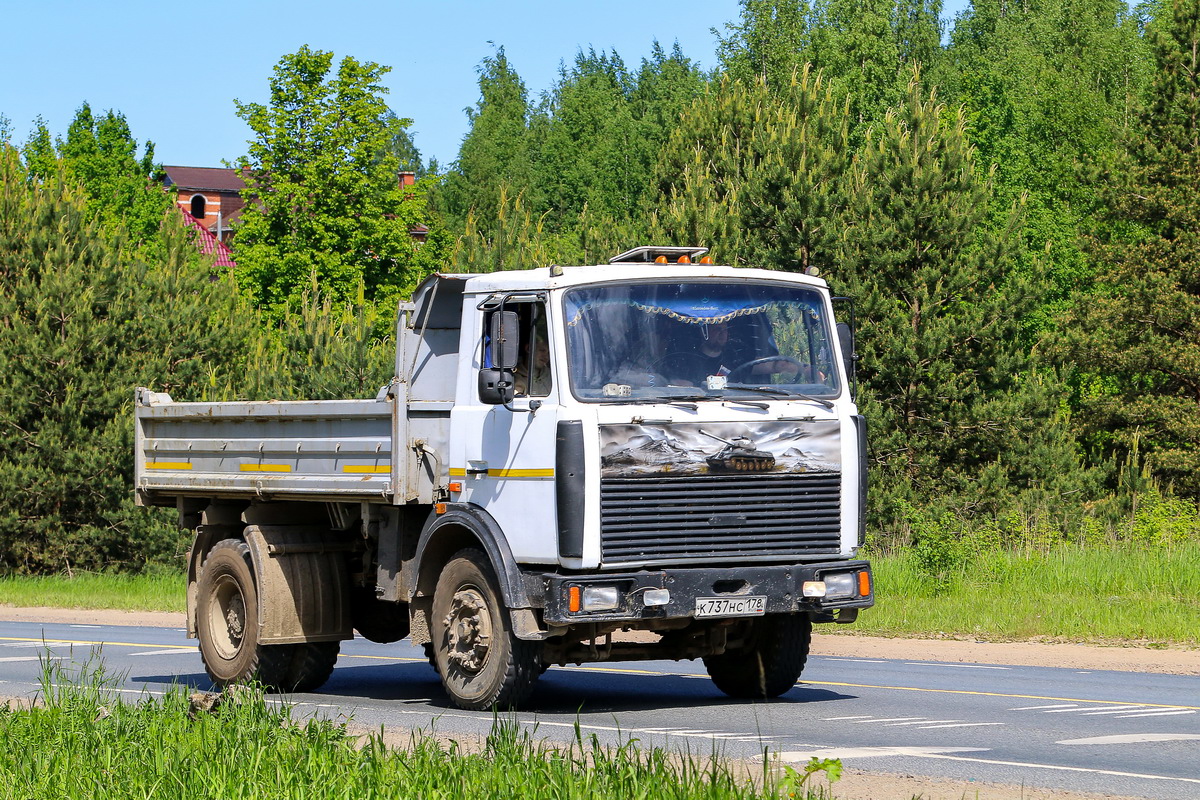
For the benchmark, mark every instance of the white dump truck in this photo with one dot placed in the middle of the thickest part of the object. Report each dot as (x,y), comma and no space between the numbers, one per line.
(565,455)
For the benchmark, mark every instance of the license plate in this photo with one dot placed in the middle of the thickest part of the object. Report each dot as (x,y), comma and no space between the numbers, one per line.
(751,606)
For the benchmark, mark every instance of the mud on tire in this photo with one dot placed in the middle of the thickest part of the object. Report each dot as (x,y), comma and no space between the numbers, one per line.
(481,661)
(227,625)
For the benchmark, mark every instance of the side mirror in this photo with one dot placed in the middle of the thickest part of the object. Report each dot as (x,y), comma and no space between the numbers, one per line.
(495,386)
(505,335)
(846,342)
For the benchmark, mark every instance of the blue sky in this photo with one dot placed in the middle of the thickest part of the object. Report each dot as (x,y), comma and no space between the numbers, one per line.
(174,68)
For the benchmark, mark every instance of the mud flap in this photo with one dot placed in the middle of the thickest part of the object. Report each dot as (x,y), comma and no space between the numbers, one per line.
(303,584)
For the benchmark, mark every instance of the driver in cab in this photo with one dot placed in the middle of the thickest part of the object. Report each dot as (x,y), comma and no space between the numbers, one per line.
(713,355)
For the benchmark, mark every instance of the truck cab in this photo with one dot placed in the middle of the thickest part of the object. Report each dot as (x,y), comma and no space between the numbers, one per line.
(654,458)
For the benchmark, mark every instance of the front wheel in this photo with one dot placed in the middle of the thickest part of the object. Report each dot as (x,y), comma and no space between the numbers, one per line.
(481,661)
(769,660)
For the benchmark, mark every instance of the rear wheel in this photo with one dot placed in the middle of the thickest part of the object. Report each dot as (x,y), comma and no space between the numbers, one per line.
(377,620)
(480,659)
(769,660)
(227,625)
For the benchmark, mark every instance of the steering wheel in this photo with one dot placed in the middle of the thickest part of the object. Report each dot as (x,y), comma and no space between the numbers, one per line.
(754,362)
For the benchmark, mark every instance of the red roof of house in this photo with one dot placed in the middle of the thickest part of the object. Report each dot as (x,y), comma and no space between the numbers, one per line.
(216,179)
(207,243)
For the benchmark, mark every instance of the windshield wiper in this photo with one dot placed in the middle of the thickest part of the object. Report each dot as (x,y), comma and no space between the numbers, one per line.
(778,392)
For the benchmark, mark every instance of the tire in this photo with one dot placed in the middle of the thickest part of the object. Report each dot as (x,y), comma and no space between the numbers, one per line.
(377,620)
(481,661)
(227,625)
(769,662)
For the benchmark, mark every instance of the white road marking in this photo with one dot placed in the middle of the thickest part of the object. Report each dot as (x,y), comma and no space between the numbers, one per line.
(1133,738)
(922,722)
(1060,767)
(869,752)
(835,719)
(960,725)
(941,664)
(856,660)
(1039,708)
(1154,714)
(172,652)
(946,754)
(1124,710)
(1095,709)
(12,659)
(890,719)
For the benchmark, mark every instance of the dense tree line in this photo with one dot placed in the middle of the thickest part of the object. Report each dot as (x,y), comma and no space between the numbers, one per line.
(1013,201)
(1010,200)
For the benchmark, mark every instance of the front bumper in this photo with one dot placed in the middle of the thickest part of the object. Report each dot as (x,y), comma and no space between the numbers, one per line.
(780,584)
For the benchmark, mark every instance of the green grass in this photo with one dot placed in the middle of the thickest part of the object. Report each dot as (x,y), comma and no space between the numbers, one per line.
(1113,593)
(85,743)
(1145,595)
(159,591)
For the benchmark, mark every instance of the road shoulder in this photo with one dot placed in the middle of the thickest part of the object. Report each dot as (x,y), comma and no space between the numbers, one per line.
(1173,661)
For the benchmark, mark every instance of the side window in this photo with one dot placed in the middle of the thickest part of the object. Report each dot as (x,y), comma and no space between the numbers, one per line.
(533,375)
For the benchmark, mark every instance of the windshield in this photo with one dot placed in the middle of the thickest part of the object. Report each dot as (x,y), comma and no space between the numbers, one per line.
(698,340)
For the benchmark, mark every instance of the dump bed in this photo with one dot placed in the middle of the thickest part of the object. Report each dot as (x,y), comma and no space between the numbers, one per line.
(338,450)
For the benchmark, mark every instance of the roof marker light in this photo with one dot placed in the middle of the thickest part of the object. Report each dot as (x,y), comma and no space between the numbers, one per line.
(706,260)
(660,260)
(684,260)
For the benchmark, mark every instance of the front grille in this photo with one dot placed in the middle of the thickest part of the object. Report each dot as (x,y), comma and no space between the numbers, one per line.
(687,518)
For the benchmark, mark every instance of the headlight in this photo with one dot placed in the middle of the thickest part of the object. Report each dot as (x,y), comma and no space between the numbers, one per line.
(840,585)
(600,598)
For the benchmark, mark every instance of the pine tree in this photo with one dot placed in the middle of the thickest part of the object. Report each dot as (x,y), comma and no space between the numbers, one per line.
(758,174)
(86,315)
(1142,328)
(958,416)
(771,41)
(588,151)
(1048,86)
(495,150)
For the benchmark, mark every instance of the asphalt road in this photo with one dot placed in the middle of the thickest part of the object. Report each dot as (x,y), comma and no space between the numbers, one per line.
(1120,733)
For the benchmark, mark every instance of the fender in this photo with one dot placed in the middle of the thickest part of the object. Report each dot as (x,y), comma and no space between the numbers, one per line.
(464,525)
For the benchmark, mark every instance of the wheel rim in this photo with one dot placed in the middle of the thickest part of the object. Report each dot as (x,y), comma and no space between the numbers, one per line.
(227,617)
(468,626)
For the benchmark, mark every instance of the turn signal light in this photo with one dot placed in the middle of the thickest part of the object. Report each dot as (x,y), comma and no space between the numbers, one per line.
(574,599)
(455,487)
(864,584)
(439,508)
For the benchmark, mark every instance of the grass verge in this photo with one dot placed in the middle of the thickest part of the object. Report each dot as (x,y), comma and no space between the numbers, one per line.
(81,742)
(1119,593)
(156,591)
(1144,595)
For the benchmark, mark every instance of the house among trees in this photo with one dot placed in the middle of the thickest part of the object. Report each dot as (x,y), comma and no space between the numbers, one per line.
(211,195)
(211,200)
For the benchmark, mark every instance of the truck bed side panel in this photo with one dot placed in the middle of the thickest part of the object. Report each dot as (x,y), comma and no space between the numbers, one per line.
(334,449)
